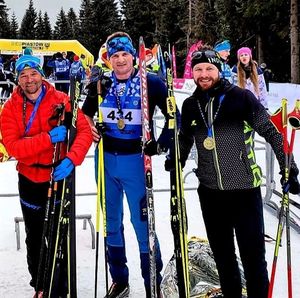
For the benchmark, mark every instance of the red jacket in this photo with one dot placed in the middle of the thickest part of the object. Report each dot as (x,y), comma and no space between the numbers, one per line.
(36,148)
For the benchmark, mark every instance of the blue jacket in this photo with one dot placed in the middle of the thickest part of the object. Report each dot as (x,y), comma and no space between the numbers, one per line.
(61,68)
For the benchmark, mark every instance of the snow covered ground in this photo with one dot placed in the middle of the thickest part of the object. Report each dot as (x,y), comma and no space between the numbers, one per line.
(14,277)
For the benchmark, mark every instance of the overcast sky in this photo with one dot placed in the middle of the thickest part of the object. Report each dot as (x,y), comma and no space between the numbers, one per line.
(52,7)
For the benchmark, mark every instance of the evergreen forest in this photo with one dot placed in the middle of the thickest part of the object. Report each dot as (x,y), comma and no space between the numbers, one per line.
(269,28)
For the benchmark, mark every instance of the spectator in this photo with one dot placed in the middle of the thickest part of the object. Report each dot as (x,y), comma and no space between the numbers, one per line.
(268,75)
(247,75)
(61,69)
(223,48)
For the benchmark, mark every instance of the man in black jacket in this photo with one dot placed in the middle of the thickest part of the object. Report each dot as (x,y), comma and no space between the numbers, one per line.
(220,118)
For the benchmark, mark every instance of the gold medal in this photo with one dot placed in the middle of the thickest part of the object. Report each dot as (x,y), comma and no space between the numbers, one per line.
(209,143)
(121,123)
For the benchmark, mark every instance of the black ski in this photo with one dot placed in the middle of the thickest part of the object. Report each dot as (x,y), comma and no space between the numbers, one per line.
(47,241)
(178,208)
(63,276)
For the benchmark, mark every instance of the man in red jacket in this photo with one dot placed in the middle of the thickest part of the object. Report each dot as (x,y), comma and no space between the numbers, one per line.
(30,133)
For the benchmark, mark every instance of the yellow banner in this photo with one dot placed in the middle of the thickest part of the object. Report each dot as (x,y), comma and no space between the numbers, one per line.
(44,47)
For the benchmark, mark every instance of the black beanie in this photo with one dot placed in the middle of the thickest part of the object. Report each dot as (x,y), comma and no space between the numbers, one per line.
(207,56)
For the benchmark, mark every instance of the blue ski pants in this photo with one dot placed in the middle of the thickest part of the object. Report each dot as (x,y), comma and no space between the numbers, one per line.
(124,174)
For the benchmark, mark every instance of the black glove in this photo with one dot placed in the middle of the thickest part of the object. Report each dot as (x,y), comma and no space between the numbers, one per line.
(97,74)
(151,147)
(164,141)
(101,128)
(170,163)
(106,82)
(292,185)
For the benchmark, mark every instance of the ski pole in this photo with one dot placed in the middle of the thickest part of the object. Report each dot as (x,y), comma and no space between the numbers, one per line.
(285,202)
(48,218)
(100,203)
(284,210)
(53,218)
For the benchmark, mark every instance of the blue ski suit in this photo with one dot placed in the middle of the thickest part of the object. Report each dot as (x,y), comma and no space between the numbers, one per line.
(124,167)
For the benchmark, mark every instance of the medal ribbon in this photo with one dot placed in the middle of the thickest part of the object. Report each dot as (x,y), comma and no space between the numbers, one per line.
(33,113)
(121,99)
(209,125)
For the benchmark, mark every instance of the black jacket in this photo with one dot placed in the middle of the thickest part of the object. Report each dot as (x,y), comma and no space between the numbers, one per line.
(231,164)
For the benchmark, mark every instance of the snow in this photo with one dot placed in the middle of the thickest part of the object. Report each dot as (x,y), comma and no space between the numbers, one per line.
(14,277)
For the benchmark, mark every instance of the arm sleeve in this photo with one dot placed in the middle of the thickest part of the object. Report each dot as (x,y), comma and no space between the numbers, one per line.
(21,148)
(262,90)
(259,119)
(82,141)
(157,92)
(186,139)
(51,63)
(90,105)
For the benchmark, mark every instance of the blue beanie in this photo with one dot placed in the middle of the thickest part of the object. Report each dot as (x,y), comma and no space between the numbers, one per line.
(222,46)
(29,61)
(120,43)
(28,51)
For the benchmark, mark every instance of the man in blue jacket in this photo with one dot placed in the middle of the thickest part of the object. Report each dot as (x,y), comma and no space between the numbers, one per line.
(123,157)
(61,69)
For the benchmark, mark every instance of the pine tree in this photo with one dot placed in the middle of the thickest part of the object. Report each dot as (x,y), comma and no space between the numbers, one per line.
(62,28)
(203,20)
(86,24)
(28,24)
(14,26)
(4,21)
(39,26)
(173,29)
(139,19)
(47,27)
(73,23)
(106,19)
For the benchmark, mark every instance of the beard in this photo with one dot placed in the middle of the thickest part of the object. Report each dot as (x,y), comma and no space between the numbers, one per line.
(204,86)
(32,88)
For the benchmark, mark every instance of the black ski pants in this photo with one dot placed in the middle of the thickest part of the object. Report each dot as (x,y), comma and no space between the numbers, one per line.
(239,213)
(33,199)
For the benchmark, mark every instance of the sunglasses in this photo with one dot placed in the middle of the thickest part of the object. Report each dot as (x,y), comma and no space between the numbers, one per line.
(207,54)
(119,41)
(27,64)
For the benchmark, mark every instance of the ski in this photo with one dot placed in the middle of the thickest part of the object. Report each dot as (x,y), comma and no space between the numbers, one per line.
(64,263)
(46,249)
(178,208)
(148,167)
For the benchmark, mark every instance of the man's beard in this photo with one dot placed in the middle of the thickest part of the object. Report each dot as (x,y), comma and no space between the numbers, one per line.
(33,88)
(211,82)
